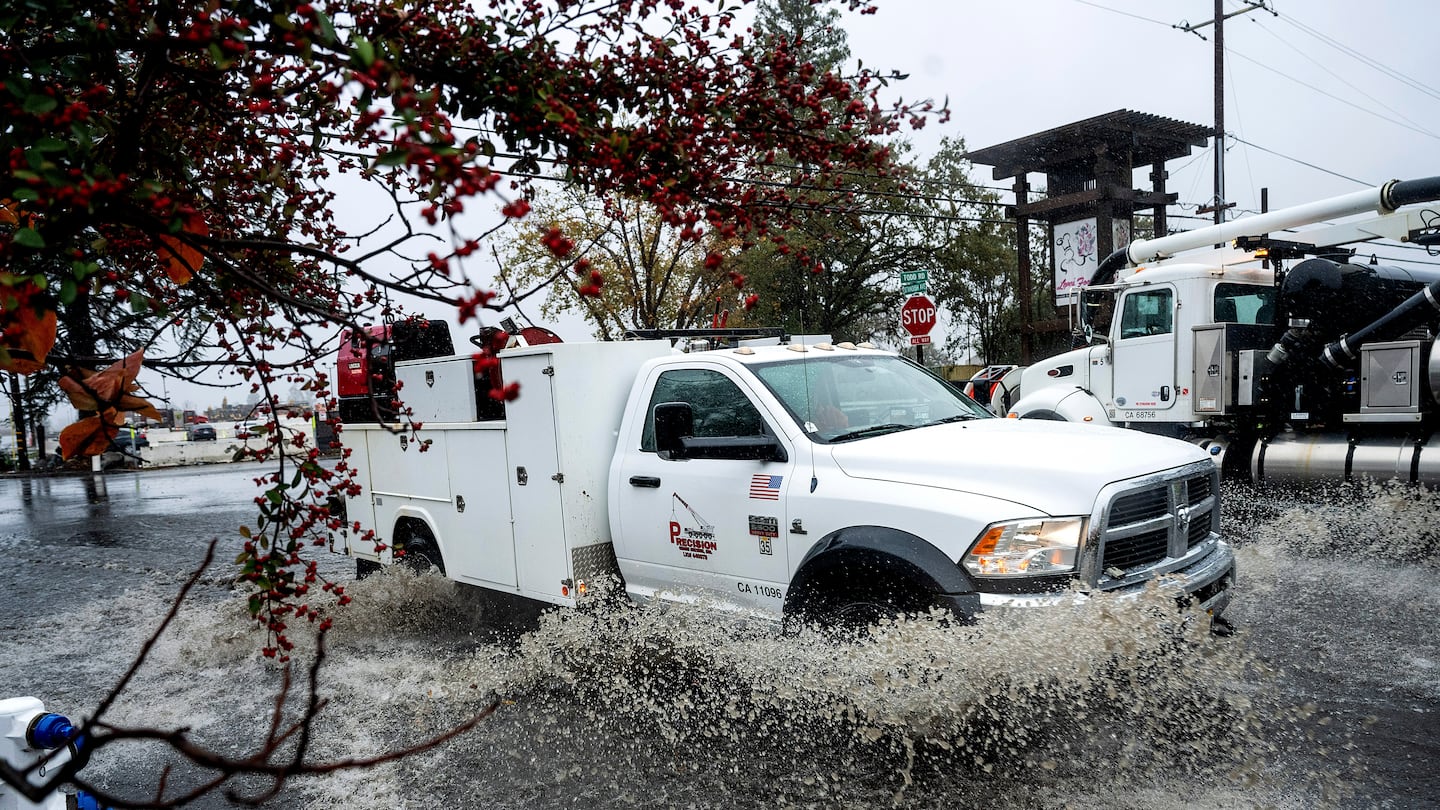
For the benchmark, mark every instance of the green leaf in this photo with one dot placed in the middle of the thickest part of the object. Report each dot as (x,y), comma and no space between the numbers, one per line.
(245,532)
(391,158)
(50,143)
(38,103)
(365,52)
(255,603)
(327,30)
(25,194)
(67,291)
(29,237)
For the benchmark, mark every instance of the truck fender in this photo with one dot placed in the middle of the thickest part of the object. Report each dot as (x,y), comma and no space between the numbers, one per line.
(421,515)
(857,555)
(1062,404)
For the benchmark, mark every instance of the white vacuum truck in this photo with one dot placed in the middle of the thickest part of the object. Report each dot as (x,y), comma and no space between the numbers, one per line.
(1291,359)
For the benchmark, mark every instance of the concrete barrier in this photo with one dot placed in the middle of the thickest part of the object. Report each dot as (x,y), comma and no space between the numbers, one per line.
(170,448)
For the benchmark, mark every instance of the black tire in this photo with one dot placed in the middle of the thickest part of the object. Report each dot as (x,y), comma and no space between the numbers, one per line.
(364,568)
(422,554)
(851,614)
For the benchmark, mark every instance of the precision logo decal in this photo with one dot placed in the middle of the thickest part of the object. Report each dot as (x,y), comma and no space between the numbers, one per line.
(696,543)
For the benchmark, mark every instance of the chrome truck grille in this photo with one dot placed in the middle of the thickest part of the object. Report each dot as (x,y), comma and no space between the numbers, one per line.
(1153,525)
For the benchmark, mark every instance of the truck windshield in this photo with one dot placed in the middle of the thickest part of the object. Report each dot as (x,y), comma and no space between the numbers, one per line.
(840,398)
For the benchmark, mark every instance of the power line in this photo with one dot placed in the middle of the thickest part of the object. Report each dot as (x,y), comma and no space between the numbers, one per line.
(1347,102)
(1302,162)
(1338,77)
(1124,13)
(1360,57)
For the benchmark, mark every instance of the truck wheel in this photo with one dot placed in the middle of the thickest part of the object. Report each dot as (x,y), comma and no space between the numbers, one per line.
(863,613)
(850,613)
(421,552)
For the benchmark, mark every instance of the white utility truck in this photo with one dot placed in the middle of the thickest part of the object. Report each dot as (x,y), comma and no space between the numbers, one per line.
(832,482)
(1292,360)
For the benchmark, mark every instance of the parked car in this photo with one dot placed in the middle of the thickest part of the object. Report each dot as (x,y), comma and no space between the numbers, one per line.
(129,441)
(200,433)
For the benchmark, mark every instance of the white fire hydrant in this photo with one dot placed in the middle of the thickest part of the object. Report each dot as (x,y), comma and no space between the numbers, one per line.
(30,735)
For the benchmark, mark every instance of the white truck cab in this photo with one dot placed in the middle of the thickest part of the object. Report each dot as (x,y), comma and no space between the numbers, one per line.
(1141,370)
(825,481)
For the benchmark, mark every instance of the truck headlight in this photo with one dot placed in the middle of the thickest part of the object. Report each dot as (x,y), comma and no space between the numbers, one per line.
(1020,548)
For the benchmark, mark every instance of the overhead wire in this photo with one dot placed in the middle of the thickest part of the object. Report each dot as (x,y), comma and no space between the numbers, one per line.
(1337,76)
(1302,162)
(1361,57)
(1124,13)
(1347,102)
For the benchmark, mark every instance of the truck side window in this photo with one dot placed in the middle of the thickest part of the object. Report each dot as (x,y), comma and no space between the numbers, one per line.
(719,406)
(1244,303)
(1148,312)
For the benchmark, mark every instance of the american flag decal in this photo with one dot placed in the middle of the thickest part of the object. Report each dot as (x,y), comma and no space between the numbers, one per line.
(765,487)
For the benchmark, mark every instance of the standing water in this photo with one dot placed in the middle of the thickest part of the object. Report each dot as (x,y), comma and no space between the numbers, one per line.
(1327,696)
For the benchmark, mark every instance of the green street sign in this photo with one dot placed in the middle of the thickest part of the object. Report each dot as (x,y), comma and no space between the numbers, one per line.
(908,277)
(912,288)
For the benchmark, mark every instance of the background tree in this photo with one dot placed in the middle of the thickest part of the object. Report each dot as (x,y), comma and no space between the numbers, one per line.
(971,250)
(836,271)
(632,270)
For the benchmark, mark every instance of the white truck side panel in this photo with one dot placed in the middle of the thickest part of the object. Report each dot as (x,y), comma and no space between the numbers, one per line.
(477,531)
(416,485)
(408,471)
(542,561)
(359,508)
(561,431)
(438,390)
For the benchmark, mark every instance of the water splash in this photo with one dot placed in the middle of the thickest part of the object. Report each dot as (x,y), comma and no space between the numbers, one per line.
(1110,703)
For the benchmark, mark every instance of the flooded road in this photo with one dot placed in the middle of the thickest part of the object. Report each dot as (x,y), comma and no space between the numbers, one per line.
(1328,696)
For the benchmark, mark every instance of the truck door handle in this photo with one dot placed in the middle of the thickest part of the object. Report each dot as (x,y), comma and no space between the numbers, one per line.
(645,481)
(1164,393)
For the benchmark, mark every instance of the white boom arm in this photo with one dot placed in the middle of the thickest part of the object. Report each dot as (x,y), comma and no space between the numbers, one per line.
(1382,199)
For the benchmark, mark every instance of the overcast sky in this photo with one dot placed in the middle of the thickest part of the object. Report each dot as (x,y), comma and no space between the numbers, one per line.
(1348,87)
(1327,82)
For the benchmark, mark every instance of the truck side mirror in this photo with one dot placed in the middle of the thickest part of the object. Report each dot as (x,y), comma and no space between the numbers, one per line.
(673,421)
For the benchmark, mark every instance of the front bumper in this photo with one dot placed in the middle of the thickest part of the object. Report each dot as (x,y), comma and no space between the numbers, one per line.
(1208,581)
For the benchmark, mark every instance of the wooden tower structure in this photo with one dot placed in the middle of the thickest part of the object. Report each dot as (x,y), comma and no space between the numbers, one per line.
(1089,203)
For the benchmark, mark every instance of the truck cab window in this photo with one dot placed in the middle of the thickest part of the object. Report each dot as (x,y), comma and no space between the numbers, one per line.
(719,406)
(1244,303)
(1149,312)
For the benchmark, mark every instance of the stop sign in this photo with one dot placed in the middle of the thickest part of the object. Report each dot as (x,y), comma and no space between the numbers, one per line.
(918,315)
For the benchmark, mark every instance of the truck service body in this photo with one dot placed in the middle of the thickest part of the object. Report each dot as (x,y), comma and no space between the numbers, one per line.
(827,481)
(1284,359)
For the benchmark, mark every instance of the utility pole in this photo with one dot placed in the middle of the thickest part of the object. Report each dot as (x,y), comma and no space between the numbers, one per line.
(1218,205)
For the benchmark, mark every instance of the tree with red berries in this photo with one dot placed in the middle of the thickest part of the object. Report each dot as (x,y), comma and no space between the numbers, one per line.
(178,174)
